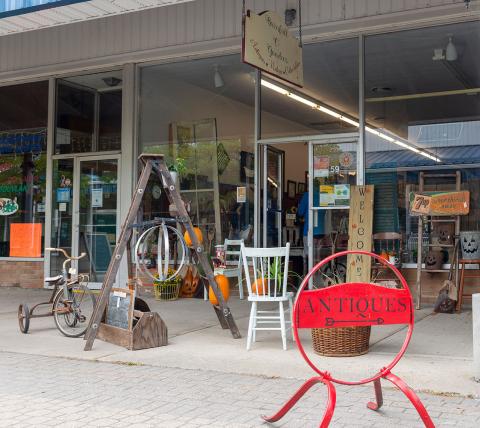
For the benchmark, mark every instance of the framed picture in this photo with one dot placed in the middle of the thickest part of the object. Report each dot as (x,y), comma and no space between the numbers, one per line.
(291,188)
(301,188)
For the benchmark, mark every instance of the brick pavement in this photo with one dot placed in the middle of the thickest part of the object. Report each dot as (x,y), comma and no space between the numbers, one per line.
(45,391)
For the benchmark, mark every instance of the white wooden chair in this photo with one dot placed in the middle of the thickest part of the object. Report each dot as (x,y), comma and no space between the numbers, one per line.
(267,282)
(233,263)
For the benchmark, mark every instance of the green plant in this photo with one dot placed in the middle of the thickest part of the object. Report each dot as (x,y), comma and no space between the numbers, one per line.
(178,166)
(276,271)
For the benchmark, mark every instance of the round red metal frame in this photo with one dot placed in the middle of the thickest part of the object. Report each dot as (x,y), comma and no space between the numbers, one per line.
(383,371)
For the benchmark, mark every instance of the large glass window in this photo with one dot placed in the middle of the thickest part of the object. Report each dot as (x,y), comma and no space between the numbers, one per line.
(330,82)
(89,113)
(203,112)
(23,142)
(422,90)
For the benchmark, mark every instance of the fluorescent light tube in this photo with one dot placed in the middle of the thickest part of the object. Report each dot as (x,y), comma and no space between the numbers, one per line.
(345,119)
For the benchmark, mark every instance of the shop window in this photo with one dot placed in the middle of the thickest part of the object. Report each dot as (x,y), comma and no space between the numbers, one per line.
(89,113)
(23,142)
(203,112)
(330,80)
(110,121)
(422,110)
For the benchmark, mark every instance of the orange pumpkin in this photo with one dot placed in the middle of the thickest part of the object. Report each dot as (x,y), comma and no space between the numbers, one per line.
(260,287)
(197,232)
(222,282)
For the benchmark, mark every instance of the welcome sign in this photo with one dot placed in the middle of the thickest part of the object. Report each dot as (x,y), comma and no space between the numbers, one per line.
(268,45)
(360,226)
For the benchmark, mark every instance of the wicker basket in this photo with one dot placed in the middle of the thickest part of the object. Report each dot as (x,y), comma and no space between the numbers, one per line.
(167,290)
(341,341)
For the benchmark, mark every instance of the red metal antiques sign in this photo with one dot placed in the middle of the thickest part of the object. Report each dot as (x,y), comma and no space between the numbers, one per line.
(347,305)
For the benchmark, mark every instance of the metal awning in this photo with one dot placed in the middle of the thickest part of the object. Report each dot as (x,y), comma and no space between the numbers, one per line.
(17,16)
(454,155)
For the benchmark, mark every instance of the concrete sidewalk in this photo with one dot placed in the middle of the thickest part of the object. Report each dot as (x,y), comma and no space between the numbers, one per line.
(47,391)
(439,358)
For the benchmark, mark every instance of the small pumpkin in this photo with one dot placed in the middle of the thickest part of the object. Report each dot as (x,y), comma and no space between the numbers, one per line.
(260,287)
(188,239)
(223,284)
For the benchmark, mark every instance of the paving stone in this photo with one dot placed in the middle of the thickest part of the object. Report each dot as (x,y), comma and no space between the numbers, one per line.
(47,391)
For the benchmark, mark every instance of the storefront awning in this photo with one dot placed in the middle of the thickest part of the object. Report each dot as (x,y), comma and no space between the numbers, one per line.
(17,16)
(406,158)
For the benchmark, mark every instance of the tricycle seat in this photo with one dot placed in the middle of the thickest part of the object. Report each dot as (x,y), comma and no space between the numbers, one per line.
(53,279)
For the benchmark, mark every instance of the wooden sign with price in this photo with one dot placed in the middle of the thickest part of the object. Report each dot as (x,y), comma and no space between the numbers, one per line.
(440,203)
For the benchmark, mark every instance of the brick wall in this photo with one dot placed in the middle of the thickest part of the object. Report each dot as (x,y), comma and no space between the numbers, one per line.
(21,274)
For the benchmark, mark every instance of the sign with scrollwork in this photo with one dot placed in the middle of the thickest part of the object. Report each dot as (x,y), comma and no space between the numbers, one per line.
(268,45)
(355,304)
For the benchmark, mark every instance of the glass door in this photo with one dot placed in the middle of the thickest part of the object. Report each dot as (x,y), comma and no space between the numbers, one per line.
(332,170)
(272,179)
(95,217)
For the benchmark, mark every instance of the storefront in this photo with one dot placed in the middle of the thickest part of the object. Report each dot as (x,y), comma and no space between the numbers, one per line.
(381,103)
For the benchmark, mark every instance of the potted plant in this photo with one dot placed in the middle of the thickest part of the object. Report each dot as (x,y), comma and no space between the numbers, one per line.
(177,168)
(167,289)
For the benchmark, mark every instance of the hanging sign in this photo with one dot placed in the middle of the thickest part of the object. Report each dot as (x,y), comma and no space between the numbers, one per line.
(440,203)
(268,45)
(360,233)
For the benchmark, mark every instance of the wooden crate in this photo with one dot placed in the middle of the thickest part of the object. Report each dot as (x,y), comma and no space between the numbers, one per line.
(148,331)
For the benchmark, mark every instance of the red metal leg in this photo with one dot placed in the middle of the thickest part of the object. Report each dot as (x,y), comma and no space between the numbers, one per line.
(378,396)
(400,384)
(331,400)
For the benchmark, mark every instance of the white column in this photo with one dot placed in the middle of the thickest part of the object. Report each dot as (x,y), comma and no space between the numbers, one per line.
(49,209)
(476,335)
(128,157)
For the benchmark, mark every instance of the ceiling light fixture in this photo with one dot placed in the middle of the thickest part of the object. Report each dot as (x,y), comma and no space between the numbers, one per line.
(217,78)
(398,141)
(451,51)
(112,81)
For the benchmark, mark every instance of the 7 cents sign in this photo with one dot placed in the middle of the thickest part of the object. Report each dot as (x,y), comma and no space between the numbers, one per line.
(268,45)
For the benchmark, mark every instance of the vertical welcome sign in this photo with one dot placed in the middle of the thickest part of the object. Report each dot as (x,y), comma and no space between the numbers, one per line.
(360,233)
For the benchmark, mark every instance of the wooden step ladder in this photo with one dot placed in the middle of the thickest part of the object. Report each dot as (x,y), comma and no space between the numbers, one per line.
(155,163)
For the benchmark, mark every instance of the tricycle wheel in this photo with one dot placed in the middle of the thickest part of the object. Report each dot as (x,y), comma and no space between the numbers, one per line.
(23,318)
